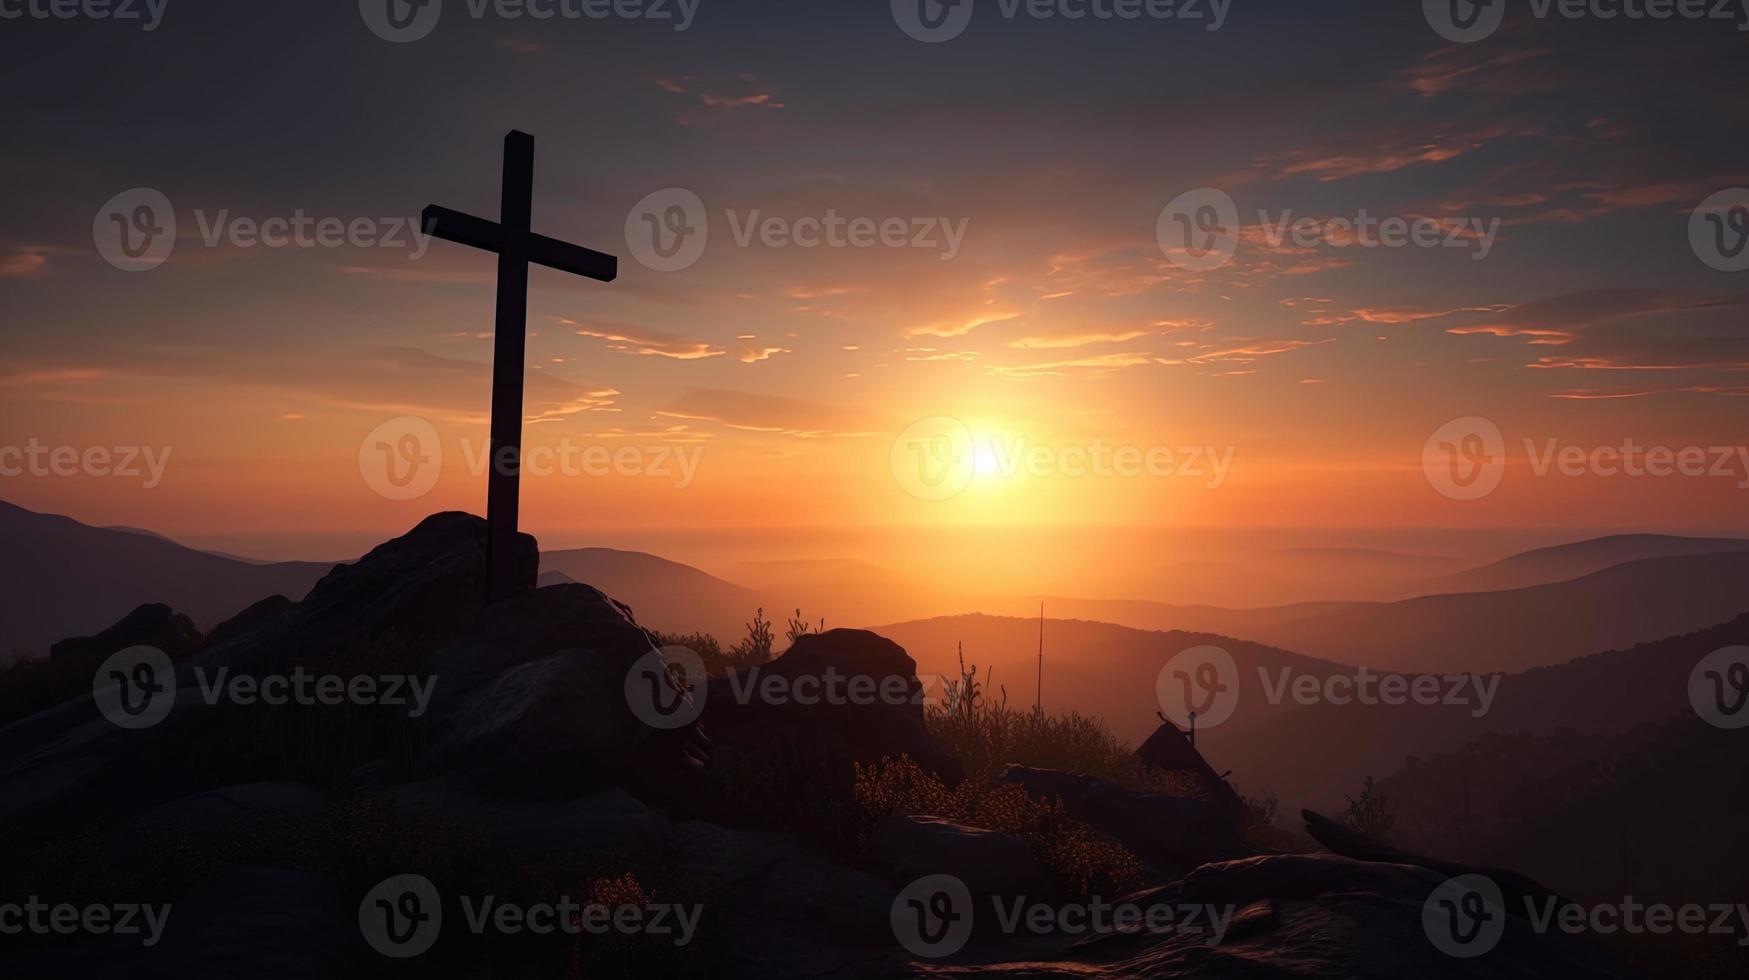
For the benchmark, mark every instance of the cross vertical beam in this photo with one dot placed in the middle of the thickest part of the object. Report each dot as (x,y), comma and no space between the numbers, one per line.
(509,346)
(516,246)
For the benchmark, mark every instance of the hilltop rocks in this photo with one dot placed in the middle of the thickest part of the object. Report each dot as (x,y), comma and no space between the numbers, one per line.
(1171,833)
(415,591)
(153,625)
(849,694)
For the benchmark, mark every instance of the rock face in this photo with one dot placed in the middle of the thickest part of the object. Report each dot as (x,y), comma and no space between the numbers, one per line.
(906,848)
(153,625)
(1172,834)
(847,693)
(424,587)
(532,699)
(255,617)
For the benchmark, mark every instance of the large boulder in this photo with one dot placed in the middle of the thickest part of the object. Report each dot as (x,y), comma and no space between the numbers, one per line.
(1172,834)
(383,614)
(532,701)
(153,624)
(849,694)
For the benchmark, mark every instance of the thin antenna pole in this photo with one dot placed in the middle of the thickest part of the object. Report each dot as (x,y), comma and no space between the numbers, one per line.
(1038,704)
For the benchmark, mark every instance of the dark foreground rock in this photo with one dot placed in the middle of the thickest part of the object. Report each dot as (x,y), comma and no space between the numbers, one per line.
(532,700)
(906,848)
(1172,834)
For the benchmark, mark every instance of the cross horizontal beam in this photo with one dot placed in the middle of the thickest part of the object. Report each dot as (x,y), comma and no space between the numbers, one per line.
(465,229)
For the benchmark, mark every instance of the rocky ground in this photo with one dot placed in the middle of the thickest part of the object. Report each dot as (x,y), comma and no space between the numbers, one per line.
(529,772)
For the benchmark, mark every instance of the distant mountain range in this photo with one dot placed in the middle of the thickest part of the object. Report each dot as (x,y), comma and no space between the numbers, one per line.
(664,595)
(61,578)
(1635,601)
(1306,752)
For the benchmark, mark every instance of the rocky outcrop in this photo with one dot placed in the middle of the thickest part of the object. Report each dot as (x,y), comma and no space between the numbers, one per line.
(532,700)
(1168,750)
(1172,834)
(847,694)
(152,625)
(256,617)
(414,592)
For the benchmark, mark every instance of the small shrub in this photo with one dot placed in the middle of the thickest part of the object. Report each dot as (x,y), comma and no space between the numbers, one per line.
(1370,814)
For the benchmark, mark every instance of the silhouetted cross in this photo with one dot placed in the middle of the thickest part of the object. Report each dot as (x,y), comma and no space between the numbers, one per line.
(516,246)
